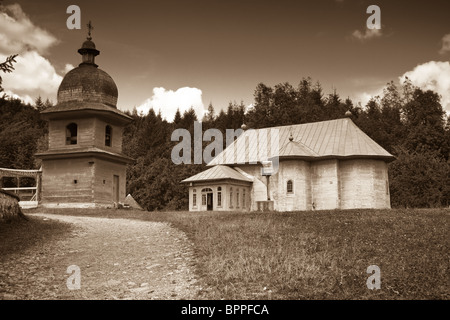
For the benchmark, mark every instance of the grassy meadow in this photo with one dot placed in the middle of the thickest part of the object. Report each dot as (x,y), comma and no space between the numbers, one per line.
(312,255)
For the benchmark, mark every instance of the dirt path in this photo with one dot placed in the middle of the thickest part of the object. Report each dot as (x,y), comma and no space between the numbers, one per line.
(118,259)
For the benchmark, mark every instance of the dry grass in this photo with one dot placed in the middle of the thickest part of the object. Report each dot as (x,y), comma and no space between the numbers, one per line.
(313,255)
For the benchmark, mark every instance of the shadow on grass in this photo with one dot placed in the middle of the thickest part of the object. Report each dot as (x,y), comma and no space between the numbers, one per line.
(18,234)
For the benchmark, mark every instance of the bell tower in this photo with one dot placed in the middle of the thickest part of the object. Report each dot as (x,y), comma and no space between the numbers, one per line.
(84,165)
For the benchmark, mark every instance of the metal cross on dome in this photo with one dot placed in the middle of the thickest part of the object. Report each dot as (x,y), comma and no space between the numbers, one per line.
(90,28)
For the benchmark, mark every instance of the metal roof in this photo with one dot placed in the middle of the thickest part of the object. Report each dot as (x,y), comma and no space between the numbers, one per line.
(218,173)
(339,138)
(295,148)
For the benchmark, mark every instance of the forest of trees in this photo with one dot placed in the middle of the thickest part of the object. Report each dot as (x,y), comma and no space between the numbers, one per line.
(408,122)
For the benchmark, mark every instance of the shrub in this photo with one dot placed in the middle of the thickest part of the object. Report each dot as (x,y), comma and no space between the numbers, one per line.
(419,179)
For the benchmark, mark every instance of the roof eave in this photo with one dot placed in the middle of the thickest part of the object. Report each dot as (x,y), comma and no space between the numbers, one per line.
(50,155)
(386,158)
(86,112)
(220,179)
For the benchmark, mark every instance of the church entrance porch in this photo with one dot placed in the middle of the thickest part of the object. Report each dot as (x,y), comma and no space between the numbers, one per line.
(207,199)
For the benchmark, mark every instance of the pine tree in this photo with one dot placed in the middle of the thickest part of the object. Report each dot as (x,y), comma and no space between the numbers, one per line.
(425,123)
(177,118)
(7,67)
(209,116)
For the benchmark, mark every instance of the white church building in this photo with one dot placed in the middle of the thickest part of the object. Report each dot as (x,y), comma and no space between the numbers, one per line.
(316,166)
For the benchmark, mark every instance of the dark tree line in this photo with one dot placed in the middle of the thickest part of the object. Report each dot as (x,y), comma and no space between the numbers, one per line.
(408,122)
(22,134)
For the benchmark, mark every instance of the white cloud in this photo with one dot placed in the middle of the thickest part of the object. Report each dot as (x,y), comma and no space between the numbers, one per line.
(432,75)
(364,97)
(366,35)
(68,67)
(18,34)
(25,98)
(168,101)
(445,44)
(34,75)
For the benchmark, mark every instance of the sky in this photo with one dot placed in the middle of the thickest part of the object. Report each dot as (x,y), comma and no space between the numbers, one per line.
(177,54)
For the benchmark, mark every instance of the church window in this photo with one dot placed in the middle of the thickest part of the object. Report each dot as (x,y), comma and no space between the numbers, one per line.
(290,186)
(194,198)
(231,197)
(219,196)
(108,134)
(243,198)
(203,199)
(71,133)
(237,198)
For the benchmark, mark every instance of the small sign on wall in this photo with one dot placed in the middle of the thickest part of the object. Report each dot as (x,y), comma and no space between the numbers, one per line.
(267,168)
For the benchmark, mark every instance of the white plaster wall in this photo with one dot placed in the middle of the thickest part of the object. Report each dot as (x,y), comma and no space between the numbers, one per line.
(258,191)
(324,184)
(299,172)
(225,197)
(364,184)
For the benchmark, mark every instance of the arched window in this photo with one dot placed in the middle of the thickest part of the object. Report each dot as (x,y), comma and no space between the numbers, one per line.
(290,187)
(194,197)
(243,198)
(71,133)
(219,196)
(231,197)
(108,136)
(237,198)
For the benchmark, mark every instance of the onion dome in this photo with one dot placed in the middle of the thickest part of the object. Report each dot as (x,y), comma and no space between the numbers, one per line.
(87,83)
